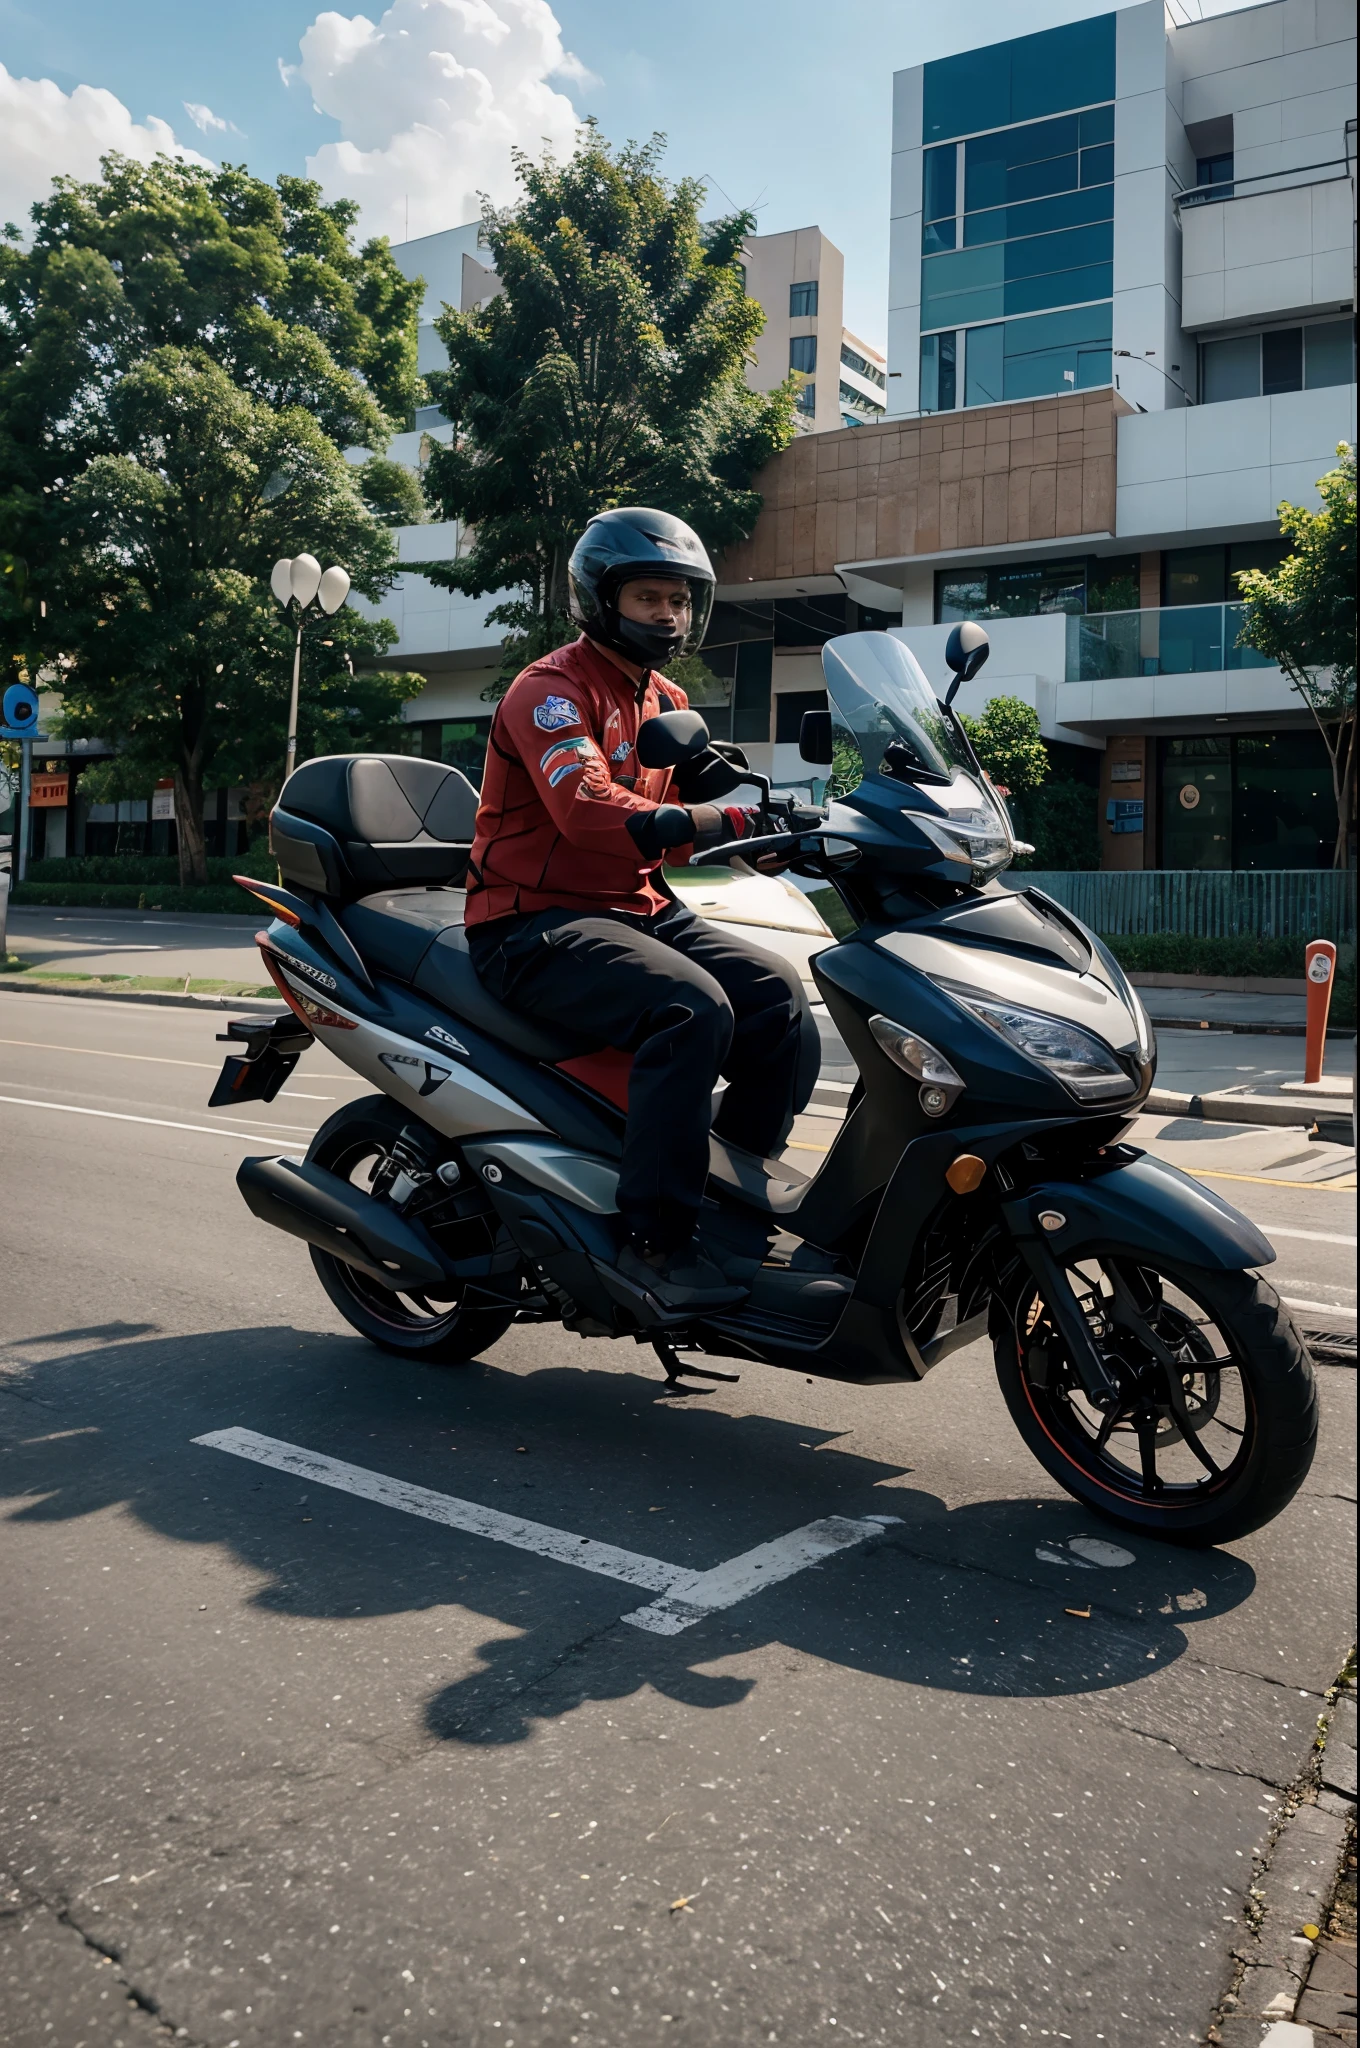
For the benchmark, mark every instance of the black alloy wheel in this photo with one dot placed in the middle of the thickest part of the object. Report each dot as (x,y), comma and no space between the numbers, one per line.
(443,1328)
(1215,1423)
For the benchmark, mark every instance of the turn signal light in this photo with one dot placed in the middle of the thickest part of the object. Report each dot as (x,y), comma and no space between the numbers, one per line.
(966,1173)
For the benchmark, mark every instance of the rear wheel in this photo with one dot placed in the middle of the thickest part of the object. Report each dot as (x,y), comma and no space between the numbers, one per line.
(445,1327)
(1216,1420)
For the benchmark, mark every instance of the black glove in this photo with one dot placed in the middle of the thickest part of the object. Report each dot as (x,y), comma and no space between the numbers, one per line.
(803,818)
(721,827)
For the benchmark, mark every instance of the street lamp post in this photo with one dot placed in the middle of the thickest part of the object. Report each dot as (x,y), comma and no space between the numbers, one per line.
(303,588)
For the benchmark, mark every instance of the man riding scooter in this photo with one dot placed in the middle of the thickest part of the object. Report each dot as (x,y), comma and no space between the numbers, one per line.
(565,920)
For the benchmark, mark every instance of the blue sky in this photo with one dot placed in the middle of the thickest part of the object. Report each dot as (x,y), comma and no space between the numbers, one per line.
(784,105)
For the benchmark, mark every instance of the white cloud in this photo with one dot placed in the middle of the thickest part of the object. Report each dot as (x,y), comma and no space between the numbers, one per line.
(204,118)
(430,102)
(48,131)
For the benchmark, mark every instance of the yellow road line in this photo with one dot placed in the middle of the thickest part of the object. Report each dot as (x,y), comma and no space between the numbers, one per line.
(1266,1180)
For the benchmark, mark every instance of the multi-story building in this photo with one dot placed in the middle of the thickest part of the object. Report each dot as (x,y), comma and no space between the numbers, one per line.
(798,278)
(1120,332)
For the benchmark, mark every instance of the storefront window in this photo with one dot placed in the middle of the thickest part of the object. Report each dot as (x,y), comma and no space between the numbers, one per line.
(1249,801)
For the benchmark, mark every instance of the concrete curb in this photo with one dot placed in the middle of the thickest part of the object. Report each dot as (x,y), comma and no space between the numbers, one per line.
(1294,1890)
(163,998)
(1249,1109)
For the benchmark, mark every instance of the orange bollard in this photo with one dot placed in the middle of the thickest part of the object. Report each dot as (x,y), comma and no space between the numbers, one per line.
(1319,966)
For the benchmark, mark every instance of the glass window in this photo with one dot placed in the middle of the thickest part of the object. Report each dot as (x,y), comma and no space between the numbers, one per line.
(789,707)
(960,596)
(1283,811)
(1214,170)
(1072,66)
(806,400)
(871,373)
(459,743)
(1005,166)
(803,353)
(1194,576)
(808,621)
(1328,354)
(751,694)
(1071,250)
(1011,590)
(939,385)
(1282,360)
(1196,806)
(1080,326)
(1112,584)
(1060,288)
(1253,554)
(939,235)
(1096,125)
(750,621)
(939,182)
(1038,216)
(1097,165)
(1230,369)
(1057,352)
(964,286)
(984,366)
(803,300)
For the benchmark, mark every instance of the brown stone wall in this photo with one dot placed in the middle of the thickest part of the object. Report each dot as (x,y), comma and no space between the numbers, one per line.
(1003,474)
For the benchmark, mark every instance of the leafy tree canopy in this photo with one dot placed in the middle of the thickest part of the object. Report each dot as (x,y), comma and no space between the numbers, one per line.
(183,354)
(1006,741)
(608,371)
(1302,615)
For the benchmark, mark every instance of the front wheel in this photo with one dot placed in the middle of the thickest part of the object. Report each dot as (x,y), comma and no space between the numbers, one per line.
(1216,1421)
(438,1327)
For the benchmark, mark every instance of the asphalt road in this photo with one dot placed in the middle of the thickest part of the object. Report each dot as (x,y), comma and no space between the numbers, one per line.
(284,1764)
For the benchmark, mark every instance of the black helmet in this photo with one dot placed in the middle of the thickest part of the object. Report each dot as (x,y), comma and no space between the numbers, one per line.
(636,541)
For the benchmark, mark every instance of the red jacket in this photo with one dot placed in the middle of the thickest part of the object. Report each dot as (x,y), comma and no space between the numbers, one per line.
(561,783)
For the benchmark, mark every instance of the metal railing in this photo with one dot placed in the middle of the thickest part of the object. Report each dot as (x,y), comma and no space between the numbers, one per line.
(1307,903)
(1170,640)
(1278,181)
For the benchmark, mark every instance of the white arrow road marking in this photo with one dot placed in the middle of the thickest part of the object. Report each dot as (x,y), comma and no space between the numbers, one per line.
(689,1595)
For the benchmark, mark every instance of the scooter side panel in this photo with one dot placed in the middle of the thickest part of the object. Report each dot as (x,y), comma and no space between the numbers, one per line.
(1143,1206)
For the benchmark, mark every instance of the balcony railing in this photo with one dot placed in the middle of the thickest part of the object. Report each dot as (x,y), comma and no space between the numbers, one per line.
(1175,640)
(1264,181)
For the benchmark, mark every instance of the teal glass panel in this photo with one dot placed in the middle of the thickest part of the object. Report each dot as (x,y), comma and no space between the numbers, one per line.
(1233,655)
(1097,125)
(962,287)
(965,93)
(984,366)
(939,378)
(938,235)
(1050,174)
(1039,217)
(1230,369)
(1097,165)
(1059,288)
(1328,354)
(993,162)
(1095,366)
(1063,67)
(1072,66)
(1080,324)
(1072,250)
(751,695)
(939,181)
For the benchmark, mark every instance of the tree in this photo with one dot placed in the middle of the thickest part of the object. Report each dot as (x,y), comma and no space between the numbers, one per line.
(1006,741)
(184,352)
(609,370)
(162,586)
(1302,615)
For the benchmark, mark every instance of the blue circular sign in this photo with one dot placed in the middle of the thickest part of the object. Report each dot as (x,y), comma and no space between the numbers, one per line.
(20,706)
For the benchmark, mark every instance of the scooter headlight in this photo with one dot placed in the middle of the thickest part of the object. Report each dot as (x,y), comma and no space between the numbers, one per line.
(1083,1063)
(941,1086)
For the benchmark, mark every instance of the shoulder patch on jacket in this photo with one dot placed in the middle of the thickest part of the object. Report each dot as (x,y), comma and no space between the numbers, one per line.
(554,713)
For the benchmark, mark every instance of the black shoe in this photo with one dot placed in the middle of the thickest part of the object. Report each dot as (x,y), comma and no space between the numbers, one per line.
(681,1279)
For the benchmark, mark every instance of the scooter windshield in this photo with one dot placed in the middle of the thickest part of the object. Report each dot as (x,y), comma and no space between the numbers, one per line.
(880,696)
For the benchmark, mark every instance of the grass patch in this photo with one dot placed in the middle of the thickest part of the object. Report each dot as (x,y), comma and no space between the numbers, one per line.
(222,898)
(176,984)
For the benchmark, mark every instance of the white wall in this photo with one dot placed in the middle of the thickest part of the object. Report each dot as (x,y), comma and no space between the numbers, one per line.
(1147,137)
(1268,252)
(904,244)
(1028,660)
(1227,466)
(1129,703)
(1286,74)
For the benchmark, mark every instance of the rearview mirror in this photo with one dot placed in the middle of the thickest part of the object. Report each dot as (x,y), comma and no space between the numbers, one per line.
(965,651)
(671,738)
(814,739)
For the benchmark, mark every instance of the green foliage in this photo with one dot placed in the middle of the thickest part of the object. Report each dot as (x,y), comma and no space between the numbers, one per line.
(183,355)
(698,681)
(1006,741)
(1302,615)
(608,371)
(391,493)
(847,765)
(220,898)
(1060,821)
(160,870)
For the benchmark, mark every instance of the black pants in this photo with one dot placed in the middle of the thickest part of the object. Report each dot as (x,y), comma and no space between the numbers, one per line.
(689,1003)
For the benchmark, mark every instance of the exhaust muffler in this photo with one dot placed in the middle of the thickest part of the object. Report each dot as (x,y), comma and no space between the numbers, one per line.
(339,1218)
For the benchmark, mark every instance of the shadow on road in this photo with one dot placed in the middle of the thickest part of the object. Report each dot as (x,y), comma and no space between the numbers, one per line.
(956,1600)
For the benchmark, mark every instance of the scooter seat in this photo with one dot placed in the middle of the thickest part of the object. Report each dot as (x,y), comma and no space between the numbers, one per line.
(446,974)
(395,929)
